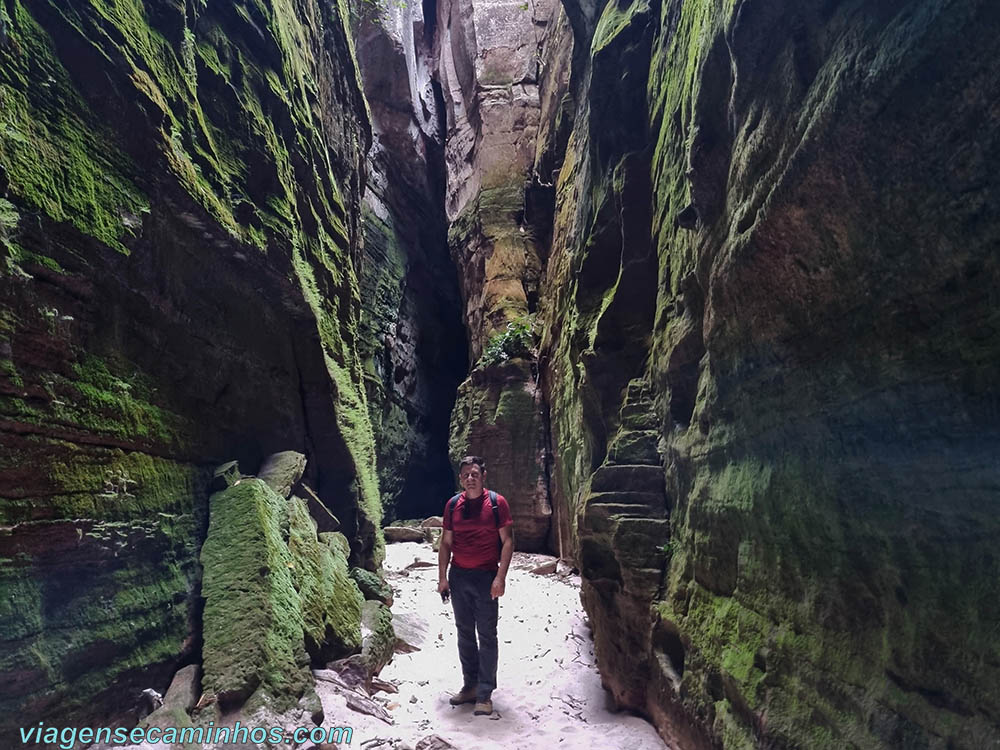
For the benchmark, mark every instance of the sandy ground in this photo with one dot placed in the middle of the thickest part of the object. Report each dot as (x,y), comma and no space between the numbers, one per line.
(548,694)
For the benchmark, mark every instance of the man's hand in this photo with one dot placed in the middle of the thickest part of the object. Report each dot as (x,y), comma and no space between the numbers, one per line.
(497,589)
(442,585)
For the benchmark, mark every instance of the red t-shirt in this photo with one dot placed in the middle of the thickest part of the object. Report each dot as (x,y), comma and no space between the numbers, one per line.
(474,542)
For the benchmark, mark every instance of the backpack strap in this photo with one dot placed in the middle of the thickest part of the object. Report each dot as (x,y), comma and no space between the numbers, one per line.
(451,507)
(493,503)
(496,520)
(496,513)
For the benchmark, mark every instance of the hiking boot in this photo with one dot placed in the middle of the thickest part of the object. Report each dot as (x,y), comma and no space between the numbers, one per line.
(466,695)
(483,708)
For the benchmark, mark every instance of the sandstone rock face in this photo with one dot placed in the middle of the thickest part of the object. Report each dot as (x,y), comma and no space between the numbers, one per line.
(412,339)
(499,416)
(488,68)
(282,471)
(769,287)
(179,200)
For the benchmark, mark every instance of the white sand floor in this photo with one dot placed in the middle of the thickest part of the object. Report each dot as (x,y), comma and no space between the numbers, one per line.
(548,694)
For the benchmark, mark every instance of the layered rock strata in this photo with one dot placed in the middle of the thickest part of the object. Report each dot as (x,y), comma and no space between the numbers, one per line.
(179,197)
(488,69)
(774,235)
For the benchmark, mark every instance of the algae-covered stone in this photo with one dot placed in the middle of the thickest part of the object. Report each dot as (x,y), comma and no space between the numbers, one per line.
(819,392)
(73,621)
(187,125)
(635,447)
(173,715)
(379,637)
(337,541)
(331,602)
(372,587)
(253,620)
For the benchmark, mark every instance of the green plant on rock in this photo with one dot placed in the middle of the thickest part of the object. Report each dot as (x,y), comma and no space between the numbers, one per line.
(517,340)
(373,11)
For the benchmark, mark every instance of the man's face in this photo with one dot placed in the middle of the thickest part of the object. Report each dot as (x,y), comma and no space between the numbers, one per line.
(471,477)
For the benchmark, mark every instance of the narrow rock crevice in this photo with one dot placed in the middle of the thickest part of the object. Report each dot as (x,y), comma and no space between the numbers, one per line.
(711,286)
(413,339)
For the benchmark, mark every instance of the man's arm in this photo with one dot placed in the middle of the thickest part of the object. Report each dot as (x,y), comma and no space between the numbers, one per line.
(444,557)
(500,582)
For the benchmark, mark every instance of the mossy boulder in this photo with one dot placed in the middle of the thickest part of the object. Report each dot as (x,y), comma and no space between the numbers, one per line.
(185,688)
(172,715)
(336,541)
(372,587)
(253,622)
(331,601)
(404,534)
(379,637)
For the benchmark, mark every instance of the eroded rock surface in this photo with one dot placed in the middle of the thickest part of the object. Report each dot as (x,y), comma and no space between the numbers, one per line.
(499,414)
(412,339)
(179,200)
(773,243)
(488,66)
(758,240)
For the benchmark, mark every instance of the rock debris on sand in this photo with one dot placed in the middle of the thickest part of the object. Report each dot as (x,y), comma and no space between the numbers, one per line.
(549,692)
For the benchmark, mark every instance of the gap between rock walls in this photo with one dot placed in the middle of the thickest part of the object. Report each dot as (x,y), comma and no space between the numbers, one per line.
(711,286)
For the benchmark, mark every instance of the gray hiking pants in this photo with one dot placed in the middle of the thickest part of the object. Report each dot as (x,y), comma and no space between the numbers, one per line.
(476,611)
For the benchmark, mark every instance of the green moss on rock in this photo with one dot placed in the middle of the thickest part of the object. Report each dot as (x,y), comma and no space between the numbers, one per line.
(331,602)
(253,621)
(73,624)
(372,587)
(144,140)
(379,636)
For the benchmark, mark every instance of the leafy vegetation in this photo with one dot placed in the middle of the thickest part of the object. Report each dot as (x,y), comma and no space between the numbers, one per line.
(517,340)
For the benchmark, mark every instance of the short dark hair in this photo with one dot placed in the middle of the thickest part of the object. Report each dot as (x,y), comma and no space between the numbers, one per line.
(473,460)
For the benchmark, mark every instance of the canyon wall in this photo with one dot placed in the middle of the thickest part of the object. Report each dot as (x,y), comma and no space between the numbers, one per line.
(413,343)
(728,273)
(771,354)
(488,69)
(180,187)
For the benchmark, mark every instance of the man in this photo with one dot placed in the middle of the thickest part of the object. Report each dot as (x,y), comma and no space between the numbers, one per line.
(473,533)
